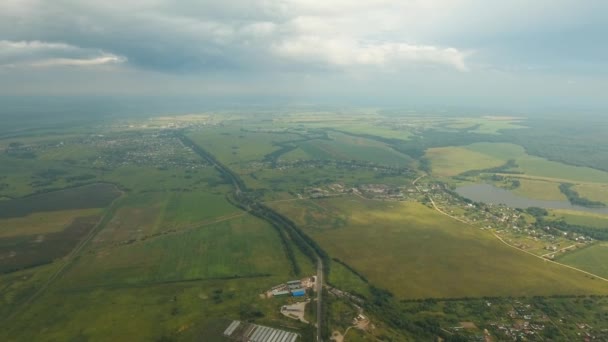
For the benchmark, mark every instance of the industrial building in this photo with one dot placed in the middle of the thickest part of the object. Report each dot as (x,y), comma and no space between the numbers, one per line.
(231,328)
(298,292)
(258,333)
(276,293)
(294,286)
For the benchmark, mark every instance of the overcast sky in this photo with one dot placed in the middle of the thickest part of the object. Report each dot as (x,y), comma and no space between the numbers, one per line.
(541,52)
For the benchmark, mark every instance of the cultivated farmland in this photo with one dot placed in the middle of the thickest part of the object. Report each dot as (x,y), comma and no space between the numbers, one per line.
(389,243)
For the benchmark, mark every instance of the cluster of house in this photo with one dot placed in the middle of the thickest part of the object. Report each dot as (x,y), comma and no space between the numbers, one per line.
(379,191)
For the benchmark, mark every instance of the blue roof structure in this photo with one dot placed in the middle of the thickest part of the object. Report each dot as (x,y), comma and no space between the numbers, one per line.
(298,293)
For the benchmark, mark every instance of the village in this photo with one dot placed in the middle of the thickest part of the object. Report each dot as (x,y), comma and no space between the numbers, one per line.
(516,226)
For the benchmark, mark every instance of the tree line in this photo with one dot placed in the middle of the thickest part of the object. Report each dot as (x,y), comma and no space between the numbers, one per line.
(576,199)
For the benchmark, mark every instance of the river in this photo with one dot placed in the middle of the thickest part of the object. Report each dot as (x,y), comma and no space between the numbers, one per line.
(487,193)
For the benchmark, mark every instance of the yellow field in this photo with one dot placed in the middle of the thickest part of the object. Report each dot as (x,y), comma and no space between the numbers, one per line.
(592,259)
(451,161)
(582,218)
(594,192)
(42,223)
(538,189)
(487,124)
(416,252)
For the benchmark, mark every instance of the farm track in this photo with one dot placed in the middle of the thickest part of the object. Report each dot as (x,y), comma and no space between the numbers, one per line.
(258,209)
(70,258)
(508,244)
(146,284)
(180,230)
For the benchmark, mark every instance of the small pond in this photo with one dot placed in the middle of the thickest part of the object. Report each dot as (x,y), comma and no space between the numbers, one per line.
(487,193)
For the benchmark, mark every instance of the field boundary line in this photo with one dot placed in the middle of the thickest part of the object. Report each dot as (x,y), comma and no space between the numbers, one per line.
(208,223)
(559,250)
(70,258)
(286,200)
(522,250)
(548,260)
(548,179)
(161,283)
(170,232)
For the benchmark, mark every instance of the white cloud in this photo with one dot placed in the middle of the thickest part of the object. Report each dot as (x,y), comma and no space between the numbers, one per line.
(257,34)
(344,52)
(258,29)
(51,54)
(375,33)
(76,62)
(8,47)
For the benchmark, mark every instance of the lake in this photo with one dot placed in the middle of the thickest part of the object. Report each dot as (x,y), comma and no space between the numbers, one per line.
(487,193)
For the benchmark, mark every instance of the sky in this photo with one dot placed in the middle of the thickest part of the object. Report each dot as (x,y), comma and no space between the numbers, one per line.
(488,52)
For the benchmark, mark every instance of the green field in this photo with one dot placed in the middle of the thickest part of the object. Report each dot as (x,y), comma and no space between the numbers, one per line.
(85,197)
(295,155)
(593,192)
(410,250)
(345,279)
(591,259)
(172,251)
(236,148)
(484,125)
(379,130)
(188,208)
(42,222)
(346,147)
(181,311)
(540,167)
(40,229)
(144,215)
(539,189)
(26,251)
(240,247)
(582,218)
(123,230)
(184,280)
(450,161)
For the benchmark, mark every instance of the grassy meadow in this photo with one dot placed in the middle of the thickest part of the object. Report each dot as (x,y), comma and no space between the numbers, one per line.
(591,259)
(538,178)
(172,259)
(416,252)
(122,232)
(345,147)
(41,223)
(581,218)
(539,189)
(483,125)
(539,167)
(177,311)
(451,161)
(239,247)
(85,197)
(594,192)
(236,148)
(172,286)
(141,216)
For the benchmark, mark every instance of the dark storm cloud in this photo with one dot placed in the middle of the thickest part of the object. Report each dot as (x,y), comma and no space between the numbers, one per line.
(149,34)
(212,35)
(493,50)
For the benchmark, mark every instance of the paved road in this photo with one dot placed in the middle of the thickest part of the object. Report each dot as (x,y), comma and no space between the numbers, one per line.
(319,285)
(238,190)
